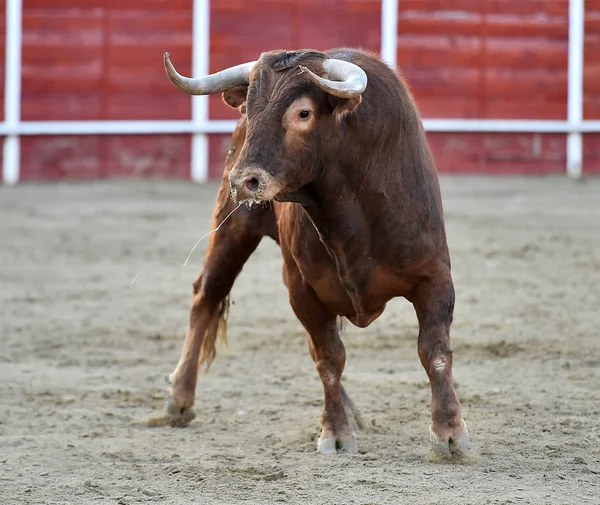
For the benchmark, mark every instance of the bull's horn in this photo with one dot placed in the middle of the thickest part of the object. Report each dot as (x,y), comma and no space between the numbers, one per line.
(344,79)
(214,83)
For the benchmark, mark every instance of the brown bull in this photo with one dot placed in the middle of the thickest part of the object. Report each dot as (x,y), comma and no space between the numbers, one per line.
(335,142)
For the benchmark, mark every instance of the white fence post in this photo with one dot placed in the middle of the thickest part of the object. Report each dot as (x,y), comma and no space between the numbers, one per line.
(12,92)
(200,66)
(389,31)
(575,88)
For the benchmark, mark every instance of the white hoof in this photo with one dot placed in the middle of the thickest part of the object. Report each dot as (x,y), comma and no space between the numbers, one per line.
(455,446)
(327,445)
(333,445)
(349,444)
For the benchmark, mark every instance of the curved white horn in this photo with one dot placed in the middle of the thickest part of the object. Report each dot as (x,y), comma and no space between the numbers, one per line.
(344,79)
(214,83)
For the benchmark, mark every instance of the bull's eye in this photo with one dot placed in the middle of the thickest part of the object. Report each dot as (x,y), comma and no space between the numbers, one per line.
(304,114)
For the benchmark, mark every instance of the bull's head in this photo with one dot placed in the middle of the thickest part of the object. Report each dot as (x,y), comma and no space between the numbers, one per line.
(295,103)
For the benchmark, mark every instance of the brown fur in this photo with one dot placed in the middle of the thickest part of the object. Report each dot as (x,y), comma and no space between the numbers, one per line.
(216,330)
(358,216)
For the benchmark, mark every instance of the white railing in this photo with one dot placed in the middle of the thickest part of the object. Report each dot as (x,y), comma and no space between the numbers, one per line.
(200,126)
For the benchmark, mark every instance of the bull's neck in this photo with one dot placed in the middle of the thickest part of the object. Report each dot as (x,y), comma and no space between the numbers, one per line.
(337,216)
(332,210)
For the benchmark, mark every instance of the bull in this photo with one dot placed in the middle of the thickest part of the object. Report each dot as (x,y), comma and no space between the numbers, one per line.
(334,141)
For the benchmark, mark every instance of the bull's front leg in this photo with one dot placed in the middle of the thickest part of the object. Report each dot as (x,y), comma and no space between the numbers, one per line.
(329,355)
(352,411)
(434,305)
(228,251)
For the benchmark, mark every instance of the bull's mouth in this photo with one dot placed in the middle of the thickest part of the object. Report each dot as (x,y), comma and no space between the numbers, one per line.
(249,202)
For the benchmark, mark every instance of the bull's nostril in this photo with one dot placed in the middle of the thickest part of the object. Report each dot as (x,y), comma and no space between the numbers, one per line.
(252,185)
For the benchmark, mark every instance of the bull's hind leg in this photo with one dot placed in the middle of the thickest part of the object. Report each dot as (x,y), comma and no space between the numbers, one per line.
(227,252)
(329,356)
(434,305)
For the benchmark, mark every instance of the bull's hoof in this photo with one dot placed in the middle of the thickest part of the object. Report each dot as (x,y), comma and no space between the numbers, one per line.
(174,421)
(454,445)
(175,417)
(333,445)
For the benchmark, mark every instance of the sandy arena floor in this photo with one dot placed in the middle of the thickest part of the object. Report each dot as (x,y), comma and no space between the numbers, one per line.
(83,358)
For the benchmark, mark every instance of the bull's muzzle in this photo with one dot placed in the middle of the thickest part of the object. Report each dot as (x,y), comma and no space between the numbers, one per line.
(252,185)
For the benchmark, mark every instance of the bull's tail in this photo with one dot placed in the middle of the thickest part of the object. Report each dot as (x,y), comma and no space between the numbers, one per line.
(215,329)
(352,411)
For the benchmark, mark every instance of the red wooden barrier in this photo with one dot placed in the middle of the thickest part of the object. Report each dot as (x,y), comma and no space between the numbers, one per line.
(2,57)
(495,59)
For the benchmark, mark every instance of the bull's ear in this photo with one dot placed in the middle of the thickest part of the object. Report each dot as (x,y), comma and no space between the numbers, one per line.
(235,96)
(345,106)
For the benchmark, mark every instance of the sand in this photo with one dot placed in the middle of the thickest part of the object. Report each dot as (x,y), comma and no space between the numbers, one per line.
(83,357)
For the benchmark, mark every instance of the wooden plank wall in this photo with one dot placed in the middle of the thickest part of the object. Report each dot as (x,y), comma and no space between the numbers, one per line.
(102,59)
(89,59)
(498,59)
(494,60)
(591,78)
